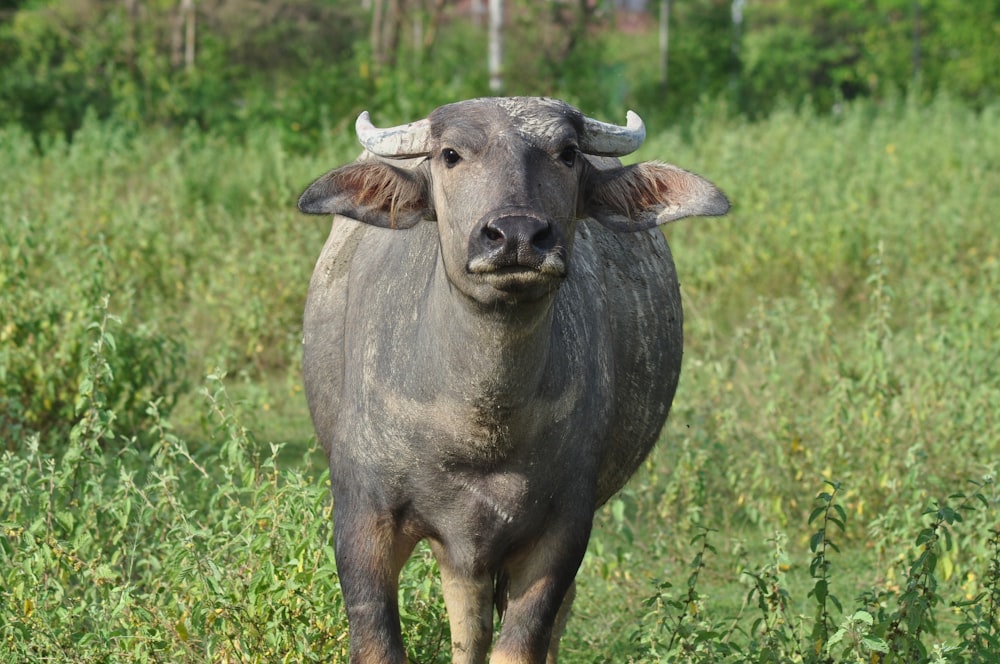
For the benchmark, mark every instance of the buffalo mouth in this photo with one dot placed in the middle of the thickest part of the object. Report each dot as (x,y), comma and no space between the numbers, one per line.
(546,274)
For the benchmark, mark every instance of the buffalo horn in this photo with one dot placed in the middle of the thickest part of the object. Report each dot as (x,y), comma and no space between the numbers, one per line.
(401,142)
(610,140)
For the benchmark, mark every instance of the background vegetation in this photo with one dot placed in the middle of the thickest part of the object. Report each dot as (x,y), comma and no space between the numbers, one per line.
(825,487)
(304,66)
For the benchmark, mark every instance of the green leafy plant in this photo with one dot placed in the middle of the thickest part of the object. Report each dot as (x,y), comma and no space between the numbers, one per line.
(676,628)
(920,595)
(828,513)
(772,631)
(854,640)
(980,628)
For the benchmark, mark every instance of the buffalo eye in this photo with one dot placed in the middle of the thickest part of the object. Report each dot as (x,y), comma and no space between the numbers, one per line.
(450,157)
(568,155)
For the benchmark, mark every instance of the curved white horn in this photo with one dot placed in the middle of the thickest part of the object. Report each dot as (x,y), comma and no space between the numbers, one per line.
(609,140)
(400,142)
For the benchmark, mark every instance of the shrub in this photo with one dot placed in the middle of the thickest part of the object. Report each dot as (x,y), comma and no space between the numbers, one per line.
(44,359)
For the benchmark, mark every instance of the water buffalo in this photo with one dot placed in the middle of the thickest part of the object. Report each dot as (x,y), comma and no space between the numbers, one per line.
(489,377)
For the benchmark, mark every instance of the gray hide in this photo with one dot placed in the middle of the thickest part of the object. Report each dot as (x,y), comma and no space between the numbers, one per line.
(486,377)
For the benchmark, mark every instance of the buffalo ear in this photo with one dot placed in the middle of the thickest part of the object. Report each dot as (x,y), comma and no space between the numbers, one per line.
(640,196)
(372,191)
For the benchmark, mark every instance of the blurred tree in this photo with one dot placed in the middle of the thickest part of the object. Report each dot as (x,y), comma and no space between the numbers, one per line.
(952,46)
(297,62)
(829,50)
(495,59)
(184,35)
(388,19)
(134,59)
(664,40)
(700,58)
(799,51)
(560,45)
(384,32)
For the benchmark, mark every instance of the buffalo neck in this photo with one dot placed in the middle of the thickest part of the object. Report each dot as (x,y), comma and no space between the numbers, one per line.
(499,353)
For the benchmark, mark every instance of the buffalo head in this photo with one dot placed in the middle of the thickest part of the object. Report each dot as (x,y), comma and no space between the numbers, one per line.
(507,179)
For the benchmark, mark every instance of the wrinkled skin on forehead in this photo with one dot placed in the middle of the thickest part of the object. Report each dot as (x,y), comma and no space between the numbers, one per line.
(487,359)
(537,121)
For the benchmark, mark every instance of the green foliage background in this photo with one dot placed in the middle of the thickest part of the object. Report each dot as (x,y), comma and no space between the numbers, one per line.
(305,65)
(825,487)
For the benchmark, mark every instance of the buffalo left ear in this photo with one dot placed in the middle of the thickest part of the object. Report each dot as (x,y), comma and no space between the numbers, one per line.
(640,196)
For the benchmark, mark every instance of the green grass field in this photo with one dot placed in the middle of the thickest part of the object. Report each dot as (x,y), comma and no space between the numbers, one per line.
(824,490)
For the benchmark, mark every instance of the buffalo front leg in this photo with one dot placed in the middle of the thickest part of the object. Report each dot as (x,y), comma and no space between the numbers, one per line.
(469,600)
(540,595)
(561,619)
(370,553)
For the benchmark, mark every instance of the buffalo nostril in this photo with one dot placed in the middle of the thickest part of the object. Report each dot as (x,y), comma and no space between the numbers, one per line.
(492,234)
(543,238)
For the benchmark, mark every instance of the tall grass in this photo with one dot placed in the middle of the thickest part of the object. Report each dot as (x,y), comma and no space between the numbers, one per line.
(824,490)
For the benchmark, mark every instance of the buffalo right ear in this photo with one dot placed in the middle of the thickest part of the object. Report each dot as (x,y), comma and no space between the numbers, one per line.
(373,192)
